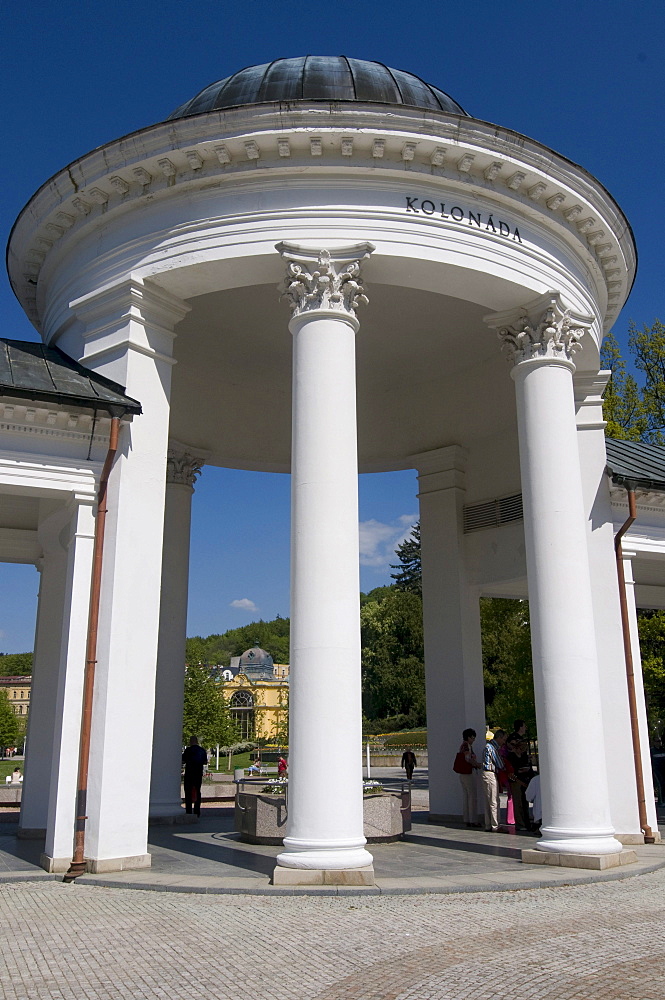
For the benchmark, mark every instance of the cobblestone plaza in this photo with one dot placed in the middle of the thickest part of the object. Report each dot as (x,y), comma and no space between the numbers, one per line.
(570,942)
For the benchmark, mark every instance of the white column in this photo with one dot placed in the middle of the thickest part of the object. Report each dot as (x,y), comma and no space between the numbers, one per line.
(642,720)
(129,338)
(451,622)
(325,826)
(74,529)
(617,746)
(576,812)
(181,471)
(45,671)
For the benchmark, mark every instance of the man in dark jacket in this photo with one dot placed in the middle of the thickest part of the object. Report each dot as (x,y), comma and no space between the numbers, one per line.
(195,760)
(409,762)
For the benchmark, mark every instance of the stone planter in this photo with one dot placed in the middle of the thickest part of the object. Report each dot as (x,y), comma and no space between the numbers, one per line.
(261,818)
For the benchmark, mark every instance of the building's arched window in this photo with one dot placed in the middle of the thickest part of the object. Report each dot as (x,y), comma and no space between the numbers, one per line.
(242,712)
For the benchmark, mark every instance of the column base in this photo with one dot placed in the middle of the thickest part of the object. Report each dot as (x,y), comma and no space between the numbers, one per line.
(561,840)
(595,862)
(322,876)
(97,866)
(301,854)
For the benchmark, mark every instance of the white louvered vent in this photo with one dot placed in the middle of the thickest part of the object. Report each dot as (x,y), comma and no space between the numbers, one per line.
(492,513)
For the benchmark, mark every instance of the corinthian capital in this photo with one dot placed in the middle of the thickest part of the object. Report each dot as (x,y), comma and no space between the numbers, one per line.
(183,467)
(326,280)
(542,329)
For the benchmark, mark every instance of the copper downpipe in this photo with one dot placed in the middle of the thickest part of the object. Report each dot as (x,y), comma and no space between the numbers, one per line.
(78,864)
(630,672)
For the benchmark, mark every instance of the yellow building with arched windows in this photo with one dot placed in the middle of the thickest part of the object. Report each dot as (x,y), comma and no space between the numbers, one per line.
(17,690)
(257,691)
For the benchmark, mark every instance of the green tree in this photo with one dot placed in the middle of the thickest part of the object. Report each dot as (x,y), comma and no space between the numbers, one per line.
(633,411)
(409,575)
(9,724)
(218,649)
(623,408)
(196,650)
(507,668)
(393,673)
(651,625)
(648,348)
(15,664)
(206,713)
(376,595)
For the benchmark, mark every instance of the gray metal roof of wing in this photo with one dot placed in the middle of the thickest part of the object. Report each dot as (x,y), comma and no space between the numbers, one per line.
(636,465)
(34,371)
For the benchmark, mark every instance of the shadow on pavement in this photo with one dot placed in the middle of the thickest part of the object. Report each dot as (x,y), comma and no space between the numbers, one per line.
(18,855)
(210,845)
(498,849)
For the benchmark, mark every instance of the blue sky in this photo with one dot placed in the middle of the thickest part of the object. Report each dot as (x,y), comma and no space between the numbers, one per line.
(582,77)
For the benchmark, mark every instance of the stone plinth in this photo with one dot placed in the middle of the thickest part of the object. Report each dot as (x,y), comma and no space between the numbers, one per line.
(595,862)
(97,866)
(261,818)
(317,876)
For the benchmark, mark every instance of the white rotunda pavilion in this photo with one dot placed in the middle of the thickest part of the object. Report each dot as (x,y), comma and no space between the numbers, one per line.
(492,266)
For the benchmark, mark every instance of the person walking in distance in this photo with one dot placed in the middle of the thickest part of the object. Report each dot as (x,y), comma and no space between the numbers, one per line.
(195,759)
(493,765)
(409,762)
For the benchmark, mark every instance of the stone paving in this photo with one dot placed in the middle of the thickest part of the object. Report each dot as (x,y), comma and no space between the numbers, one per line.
(602,941)
(430,930)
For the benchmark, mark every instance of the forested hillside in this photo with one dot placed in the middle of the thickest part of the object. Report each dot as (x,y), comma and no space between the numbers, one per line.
(15,664)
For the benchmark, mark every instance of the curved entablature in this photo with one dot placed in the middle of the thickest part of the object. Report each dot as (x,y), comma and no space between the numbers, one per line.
(467,157)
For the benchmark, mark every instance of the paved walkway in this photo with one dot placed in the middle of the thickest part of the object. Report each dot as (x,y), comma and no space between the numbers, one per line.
(594,942)
(209,857)
(429,930)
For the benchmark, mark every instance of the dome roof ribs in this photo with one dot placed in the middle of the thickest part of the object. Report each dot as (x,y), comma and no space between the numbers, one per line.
(319,78)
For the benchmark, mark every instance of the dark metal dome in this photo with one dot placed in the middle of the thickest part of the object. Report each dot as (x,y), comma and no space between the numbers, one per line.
(319,78)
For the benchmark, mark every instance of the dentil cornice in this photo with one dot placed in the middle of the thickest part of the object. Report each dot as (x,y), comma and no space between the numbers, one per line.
(324,280)
(56,423)
(541,330)
(329,139)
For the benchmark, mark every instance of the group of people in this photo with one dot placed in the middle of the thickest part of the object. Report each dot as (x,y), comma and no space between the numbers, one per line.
(505,766)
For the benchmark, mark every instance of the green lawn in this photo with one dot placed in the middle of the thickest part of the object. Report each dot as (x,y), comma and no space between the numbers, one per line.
(237,760)
(411,737)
